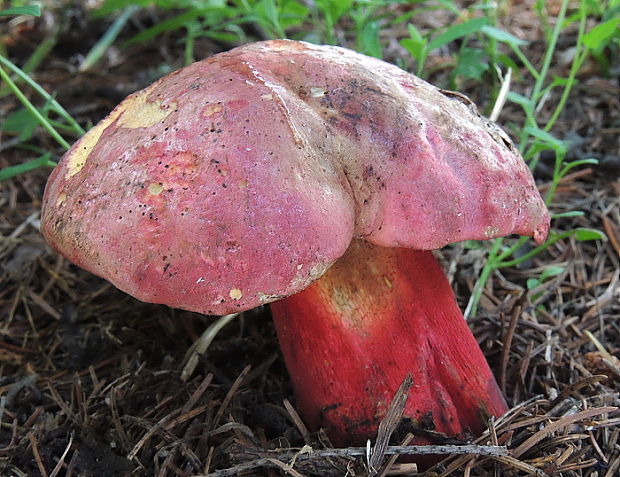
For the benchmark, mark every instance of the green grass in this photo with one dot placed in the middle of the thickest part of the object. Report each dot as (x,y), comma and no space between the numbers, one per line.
(24,121)
(534,137)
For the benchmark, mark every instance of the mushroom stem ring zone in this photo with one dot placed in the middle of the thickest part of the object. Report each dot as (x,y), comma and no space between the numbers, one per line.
(245,178)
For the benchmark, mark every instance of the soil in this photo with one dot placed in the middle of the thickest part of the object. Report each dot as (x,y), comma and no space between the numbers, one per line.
(94,383)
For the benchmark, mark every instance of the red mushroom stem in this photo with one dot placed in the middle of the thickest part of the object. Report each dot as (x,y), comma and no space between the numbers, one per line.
(378,314)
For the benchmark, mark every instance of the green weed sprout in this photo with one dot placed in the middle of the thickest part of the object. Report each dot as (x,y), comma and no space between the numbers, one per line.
(33,114)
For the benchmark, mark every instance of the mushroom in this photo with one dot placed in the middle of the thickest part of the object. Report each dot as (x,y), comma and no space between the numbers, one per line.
(321,178)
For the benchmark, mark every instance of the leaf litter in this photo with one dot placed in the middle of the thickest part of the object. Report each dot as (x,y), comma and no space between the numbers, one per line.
(94,383)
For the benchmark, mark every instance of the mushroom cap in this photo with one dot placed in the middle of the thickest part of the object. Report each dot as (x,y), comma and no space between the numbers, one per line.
(240,179)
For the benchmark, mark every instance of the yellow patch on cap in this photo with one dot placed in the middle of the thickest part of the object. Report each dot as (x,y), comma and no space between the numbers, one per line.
(212,109)
(78,157)
(133,112)
(141,113)
(62,197)
(491,231)
(156,188)
(236,294)
(286,45)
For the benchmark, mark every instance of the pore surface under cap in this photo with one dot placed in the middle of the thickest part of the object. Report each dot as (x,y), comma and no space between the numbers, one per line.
(241,178)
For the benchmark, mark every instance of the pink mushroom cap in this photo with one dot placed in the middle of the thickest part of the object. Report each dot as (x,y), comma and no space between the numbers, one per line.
(240,179)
